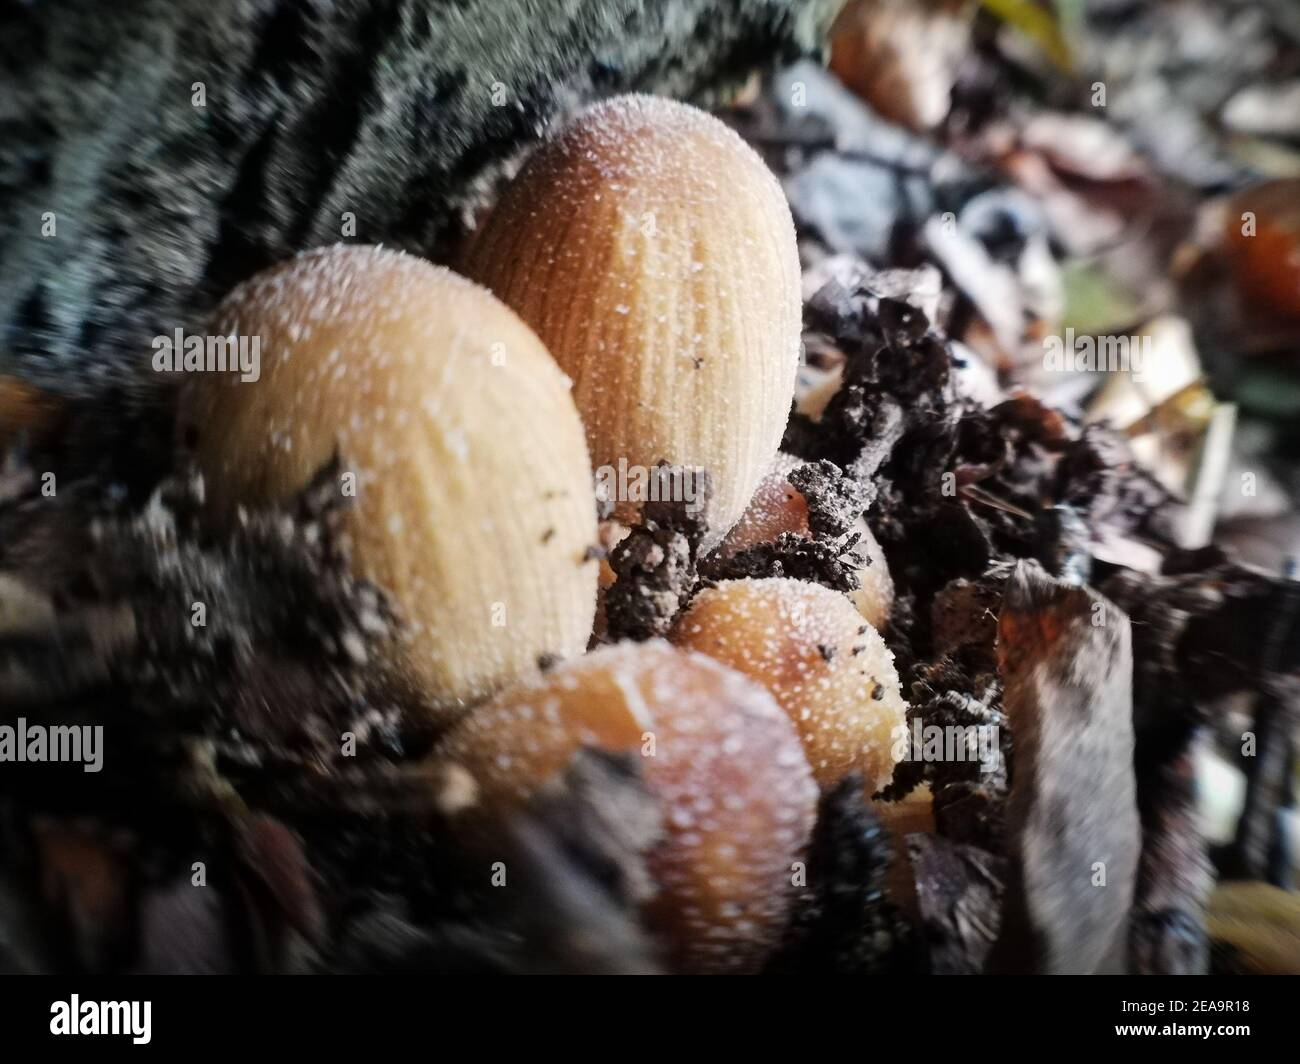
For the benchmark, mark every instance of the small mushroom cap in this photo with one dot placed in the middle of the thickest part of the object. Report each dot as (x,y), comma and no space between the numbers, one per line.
(826,666)
(461,455)
(1265,258)
(737,797)
(779,507)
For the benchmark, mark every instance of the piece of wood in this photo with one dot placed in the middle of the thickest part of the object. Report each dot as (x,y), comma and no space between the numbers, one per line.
(1066,660)
(958,890)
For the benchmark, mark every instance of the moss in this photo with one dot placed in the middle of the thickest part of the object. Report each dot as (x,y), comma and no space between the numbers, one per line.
(382,108)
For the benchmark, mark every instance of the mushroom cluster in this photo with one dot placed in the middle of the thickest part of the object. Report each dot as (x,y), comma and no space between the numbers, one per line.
(632,300)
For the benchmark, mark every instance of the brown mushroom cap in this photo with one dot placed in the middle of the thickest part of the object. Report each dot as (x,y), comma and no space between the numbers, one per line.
(456,434)
(732,781)
(654,253)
